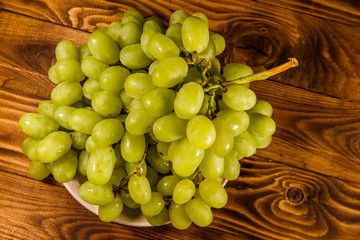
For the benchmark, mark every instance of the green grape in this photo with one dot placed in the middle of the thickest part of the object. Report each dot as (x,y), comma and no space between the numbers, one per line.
(194,75)
(83,162)
(69,69)
(133,57)
(262,107)
(183,191)
(110,211)
(153,66)
(245,144)
(152,175)
(262,142)
(106,104)
(155,206)
(92,67)
(162,149)
(103,47)
(239,97)
(199,212)
(261,125)
(66,49)
(156,19)
(152,24)
(125,99)
(169,128)
(179,218)
(139,189)
(233,71)
(132,147)
(215,67)
(195,34)
(232,165)
(202,16)
(207,55)
(26,144)
(95,194)
(211,166)
(46,108)
(31,149)
(224,141)
(64,168)
(91,87)
(205,105)
(166,185)
(101,165)
(169,72)
(53,146)
(127,200)
(38,170)
(53,76)
(219,42)
(130,33)
(138,122)
(117,176)
(154,159)
(174,33)
(114,29)
(201,132)
(84,120)
(189,100)
(161,46)
(78,140)
(66,93)
(37,125)
(178,16)
(213,193)
(90,145)
(186,158)
(138,84)
(129,13)
(144,41)
(136,167)
(83,52)
(135,105)
(160,219)
(108,131)
(238,121)
(172,149)
(158,102)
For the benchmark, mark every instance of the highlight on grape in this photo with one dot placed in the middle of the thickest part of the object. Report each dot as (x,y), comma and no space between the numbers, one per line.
(144,117)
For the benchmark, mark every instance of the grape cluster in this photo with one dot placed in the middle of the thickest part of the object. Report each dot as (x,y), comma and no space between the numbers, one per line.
(145,117)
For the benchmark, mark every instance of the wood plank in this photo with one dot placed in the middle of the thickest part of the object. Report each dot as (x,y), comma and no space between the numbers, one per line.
(257,209)
(256,34)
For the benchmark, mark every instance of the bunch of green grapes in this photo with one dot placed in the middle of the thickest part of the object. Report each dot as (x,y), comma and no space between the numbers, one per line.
(146,117)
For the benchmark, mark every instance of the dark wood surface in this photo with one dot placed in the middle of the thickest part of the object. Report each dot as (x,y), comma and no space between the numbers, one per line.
(305,185)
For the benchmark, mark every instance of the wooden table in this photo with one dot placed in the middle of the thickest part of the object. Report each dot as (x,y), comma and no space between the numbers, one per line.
(305,185)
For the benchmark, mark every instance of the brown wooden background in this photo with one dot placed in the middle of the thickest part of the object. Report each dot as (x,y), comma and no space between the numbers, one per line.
(315,150)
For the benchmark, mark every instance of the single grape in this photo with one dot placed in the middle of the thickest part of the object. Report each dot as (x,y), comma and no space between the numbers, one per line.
(224,141)
(195,34)
(138,122)
(239,97)
(233,71)
(245,144)
(152,24)
(91,87)
(199,212)
(179,218)
(127,200)
(90,145)
(95,194)
(194,75)
(106,104)
(262,107)
(133,57)
(53,146)
(129,33)
(167,184)
(37,125)
(262,142)
(101,165)
(92,67)
(66,49)
(110,211)
(232,165)
(114,29)
(211,166)
(219,42)
(108,131)
(213,193)
(84,120)
(238,121)
(178,16)
(174,32)
(83,51)
(158,102)
(129,13)
(69,69)
(202,16)
(184,190)
(46,108)
(153,176)
(66,93)
(169,71)
(162,149)
(125,99)
(159,164)
(103,47)
(169,128)
(161,46)
(201,132)
(155,206)
(38,170)
(207,55)
(53,76)
(132,147)
(189,100)
(117,176)
(78,139)
(83,162)
(261,125)
(160,219)
(138,84)
(64,168)
(139,189)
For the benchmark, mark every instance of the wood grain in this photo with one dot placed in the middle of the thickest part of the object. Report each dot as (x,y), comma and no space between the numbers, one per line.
(257,34)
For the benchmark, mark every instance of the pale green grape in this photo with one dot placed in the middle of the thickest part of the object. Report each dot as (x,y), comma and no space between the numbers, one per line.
(135,105)
(138,84)
(219,42)
(92,67)
(215,66)
(69,69)
(189,100)
(156,19)
(91,87)
(83,162)
(31,149)
(234,71)
(167,184)
(155,206)
(207,55)
(101,165)
(202,16)
(106,104)
(114,29)
(158,102)
(152,24)
(186,158)
(199,212)
(179,218)
(132,147)
(117,176)
(152,175)
(195,34)
(213,193)
(139,189)
(178,16)
(224,141)
(262,142)
(144,41)
(127,200)
(136,167)
(245,144)
(26,144)
(162,149)
(83,51)
(232,165)
(110,211)
(108,131)
(37,125)
(84,120)
(66,93)
(53,146)
(238,121)
(78,139)
(125,99)
(64,168)
(129,13)
(103,47)
(174,32)
(201,132)
(172,149)
(205,105)
(160,219)
(261,125)
(161,46)
(169,128)
(66,49)
(184,190)
(194,75)
(239,97)
(138,122)
(46,108)
(153,66)
(53,76)
(169,72)
(133,57)
(95,194)
(154,159)
(211,166)
(90,145)
(38,170)
(262,107)
(130,33)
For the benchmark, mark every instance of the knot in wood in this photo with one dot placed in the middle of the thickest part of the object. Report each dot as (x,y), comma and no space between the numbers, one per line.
(294,195)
